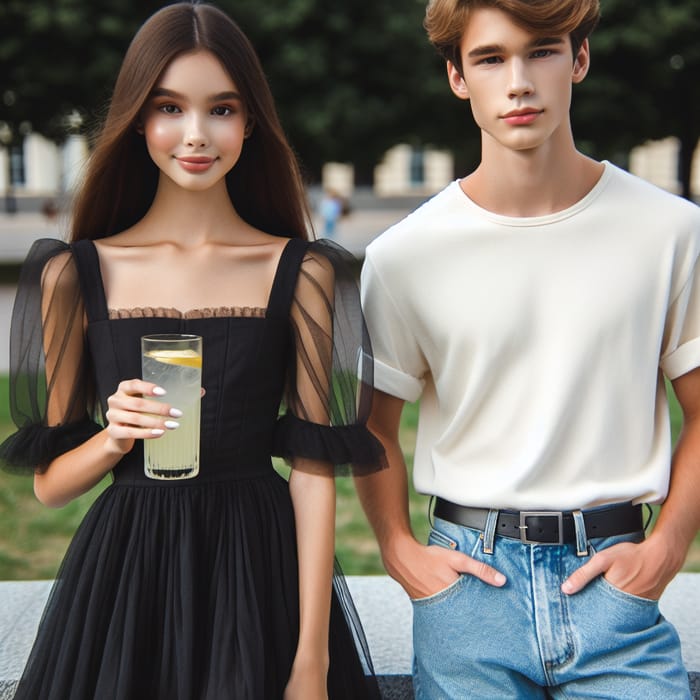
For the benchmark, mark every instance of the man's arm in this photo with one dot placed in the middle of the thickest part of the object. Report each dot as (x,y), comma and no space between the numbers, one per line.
(647,568)
(421,570)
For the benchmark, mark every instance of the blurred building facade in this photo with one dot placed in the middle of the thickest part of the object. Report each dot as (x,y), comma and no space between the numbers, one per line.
(41,168)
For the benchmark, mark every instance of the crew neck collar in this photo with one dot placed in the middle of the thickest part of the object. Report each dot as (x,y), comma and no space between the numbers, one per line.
(544,219)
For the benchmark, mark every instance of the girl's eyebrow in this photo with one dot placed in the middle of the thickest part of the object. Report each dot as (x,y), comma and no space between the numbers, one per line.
(164,92)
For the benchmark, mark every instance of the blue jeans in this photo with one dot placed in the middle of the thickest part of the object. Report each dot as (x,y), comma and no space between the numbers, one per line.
(530,640)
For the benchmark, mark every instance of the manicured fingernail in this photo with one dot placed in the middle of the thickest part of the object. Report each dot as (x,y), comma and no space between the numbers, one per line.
(500,579)
(176,413)
(157,431)
(159,391)
(171,424)
(566,587)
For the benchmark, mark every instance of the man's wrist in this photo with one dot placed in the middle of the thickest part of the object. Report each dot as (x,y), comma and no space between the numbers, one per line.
(393,551)
(671,549)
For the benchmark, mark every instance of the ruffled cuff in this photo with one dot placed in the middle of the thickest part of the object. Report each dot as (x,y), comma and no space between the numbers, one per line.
(32,448)
(352,449)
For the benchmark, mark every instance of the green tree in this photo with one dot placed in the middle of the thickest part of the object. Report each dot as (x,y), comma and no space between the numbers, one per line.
(353,78)
(60,57)
(349,76)
(644,81)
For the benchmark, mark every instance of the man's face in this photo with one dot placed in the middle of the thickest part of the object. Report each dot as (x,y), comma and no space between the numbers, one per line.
(519,85)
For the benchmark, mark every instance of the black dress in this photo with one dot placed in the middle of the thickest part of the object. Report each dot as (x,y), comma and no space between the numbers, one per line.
(188,589)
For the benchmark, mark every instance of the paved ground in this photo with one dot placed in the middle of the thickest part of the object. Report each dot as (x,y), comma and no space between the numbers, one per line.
(7,294)
(19,231)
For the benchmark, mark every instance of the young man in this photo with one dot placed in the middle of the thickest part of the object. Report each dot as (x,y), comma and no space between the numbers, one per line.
(534,307)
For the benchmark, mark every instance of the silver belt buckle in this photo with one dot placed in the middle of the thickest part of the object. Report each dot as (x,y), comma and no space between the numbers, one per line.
(525,514)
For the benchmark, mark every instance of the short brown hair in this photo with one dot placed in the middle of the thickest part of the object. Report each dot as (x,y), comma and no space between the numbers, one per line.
(445,20)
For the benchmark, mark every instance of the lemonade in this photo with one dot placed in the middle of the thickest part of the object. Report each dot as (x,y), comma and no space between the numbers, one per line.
(174,362)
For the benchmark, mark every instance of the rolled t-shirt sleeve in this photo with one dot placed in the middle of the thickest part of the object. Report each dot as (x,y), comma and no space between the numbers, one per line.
(399,364)
(681,351)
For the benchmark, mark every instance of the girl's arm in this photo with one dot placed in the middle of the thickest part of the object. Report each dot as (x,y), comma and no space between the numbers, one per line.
(313,498)
(311,483)
(52,383)
(323,433)
(129,417)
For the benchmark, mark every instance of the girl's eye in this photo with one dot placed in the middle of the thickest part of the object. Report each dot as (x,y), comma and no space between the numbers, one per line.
(169,109)
(222,111)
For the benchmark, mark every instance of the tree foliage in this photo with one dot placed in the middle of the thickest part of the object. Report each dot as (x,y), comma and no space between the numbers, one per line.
(353,78)
(644,81)
(57,57)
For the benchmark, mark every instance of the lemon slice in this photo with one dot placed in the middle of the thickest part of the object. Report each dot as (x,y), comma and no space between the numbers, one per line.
(183,358)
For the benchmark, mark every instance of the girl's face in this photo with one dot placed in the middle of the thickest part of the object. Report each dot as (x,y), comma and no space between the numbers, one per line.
(194,122)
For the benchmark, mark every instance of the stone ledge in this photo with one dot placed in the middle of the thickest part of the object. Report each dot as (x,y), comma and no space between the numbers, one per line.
(385,612)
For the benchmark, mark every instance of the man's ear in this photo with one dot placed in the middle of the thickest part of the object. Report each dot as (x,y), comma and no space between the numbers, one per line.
(582,62)
(457,84)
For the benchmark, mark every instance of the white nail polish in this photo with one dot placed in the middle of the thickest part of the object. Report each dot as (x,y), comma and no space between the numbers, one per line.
(176,413)
(157,431)
(159,391)
(171,424)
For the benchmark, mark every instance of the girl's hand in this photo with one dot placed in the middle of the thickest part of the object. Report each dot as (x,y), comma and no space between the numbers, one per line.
(133,416)
(307,682)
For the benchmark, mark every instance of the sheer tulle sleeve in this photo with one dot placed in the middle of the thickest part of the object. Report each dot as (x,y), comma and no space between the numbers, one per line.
(329,392)
(51,388)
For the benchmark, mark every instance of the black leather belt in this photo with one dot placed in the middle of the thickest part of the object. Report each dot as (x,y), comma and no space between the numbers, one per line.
(546,527)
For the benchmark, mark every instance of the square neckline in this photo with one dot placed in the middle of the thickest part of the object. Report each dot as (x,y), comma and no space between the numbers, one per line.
(198,313)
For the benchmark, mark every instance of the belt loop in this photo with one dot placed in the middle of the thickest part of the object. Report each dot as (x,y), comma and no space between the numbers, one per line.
(581,536)
(490,531)
(431,511)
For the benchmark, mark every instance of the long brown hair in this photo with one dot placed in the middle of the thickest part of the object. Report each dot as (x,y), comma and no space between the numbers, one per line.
(120,179)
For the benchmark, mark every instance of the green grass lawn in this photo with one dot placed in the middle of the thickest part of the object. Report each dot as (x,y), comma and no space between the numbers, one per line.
(33,538)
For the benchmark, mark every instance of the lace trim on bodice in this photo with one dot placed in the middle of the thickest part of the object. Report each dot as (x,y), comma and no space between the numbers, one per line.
(162,312)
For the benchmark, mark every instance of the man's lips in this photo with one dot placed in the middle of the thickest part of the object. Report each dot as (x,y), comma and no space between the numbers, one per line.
(518,117)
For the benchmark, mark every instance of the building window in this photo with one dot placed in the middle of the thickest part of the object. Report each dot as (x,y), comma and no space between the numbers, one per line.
(417,167)
(17,166)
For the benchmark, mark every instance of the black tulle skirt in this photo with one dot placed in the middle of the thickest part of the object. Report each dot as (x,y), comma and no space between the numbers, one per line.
(183,592)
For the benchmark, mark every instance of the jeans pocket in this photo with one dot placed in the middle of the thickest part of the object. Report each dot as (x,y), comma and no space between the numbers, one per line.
(599,544)
(442,594)
(613,590)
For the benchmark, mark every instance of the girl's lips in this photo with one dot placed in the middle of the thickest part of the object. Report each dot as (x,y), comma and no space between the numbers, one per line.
(520,118)
(195,164)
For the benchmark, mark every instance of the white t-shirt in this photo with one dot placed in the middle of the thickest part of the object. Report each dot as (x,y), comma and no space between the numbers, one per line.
(538,345)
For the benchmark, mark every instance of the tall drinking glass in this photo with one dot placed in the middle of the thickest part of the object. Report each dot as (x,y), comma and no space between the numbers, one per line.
(174,362)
